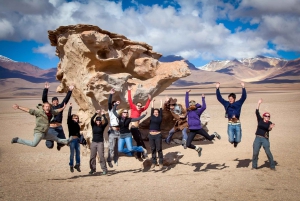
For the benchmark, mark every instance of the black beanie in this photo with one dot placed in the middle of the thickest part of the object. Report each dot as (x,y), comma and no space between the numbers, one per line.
(54,98)
(98,119)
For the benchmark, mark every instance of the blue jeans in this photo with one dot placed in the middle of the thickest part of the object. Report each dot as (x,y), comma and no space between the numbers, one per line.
(58,132)
(258,142)
(234,132)
(171,133)
(74,147)
(130,149)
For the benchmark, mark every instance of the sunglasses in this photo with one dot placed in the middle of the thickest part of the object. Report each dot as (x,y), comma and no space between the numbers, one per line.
(267,116)
(125,112)
(75,118)
(139,105)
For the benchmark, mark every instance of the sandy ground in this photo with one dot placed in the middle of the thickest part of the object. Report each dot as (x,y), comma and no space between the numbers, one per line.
(221,173)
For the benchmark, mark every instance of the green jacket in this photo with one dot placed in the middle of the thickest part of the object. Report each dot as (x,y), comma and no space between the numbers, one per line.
(42,122)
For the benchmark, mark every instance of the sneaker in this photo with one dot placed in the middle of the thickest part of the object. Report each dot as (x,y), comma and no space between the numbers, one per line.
(145,153)
(217,135)
(165,140)
(184,143)
(153,166)
(110,164)
(71,169)
(14,140)
(161,166)
(104,173)
(199,150)
(235,144)
(77,167)
(253,168)
(58,148)
(274,169)
(92,171)
(140,159)
(116,163)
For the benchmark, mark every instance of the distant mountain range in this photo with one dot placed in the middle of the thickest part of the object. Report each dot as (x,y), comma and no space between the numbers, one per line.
(13,69)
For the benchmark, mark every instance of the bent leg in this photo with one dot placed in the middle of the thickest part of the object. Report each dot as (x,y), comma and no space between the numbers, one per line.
(36,140)
(190,138)
(61,135)
(206,135)
(230,132)
(184,134)
(238,133)
(171,133)
(50,143)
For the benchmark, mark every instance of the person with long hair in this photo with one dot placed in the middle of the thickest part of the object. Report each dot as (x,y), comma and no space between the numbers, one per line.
(232,113)
(44,114)
(136,111)
(74,131)
(264,126)
(194,111)
(125,134)
(98,141)
(155,136)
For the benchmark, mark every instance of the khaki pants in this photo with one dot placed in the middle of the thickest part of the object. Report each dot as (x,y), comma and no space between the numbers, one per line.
(42,136)
(97,147)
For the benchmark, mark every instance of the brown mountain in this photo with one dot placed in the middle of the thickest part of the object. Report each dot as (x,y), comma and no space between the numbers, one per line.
(25,71)
(258,69)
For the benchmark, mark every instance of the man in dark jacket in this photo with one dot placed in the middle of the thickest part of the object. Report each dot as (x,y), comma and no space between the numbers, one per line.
(56,128)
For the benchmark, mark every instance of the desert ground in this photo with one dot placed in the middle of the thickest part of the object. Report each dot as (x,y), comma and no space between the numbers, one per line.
(221,173)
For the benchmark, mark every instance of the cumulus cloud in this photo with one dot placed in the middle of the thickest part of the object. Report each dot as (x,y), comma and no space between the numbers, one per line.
(46,49)
(189,30)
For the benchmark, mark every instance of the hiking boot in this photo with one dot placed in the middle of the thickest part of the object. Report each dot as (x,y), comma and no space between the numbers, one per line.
(184,143)
(110,164)
(235,144)
(92,171)
(199,150)
(153,166)
(274,169)
(217,135)
(77,167)
(14,140)
(104,173)
(71,169)
(145,153)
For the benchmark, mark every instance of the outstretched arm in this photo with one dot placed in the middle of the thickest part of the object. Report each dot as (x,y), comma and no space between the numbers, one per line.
(203,107)
(45,93)
(111,92)
(139,118)
(257,110)
(187,98)
(93,117)
(244,93)
(115,110)
(219,97)
(15,106)
(70,113)
(68,96)
(105,119)
(129,98)
(147,103)
(57,111)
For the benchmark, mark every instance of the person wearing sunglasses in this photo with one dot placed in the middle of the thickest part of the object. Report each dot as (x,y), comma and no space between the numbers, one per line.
(98,142)
(264,126)
(136,111)
(125,134)
(155,137)
(232,113)
(74,131)
(194,111)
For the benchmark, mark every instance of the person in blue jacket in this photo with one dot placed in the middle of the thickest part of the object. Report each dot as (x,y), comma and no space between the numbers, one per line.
(232,113)
(194,111)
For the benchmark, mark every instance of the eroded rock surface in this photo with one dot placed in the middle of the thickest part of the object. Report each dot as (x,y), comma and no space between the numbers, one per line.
(95,61)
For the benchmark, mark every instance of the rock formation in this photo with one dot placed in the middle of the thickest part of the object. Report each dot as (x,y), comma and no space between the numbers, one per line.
(95,61)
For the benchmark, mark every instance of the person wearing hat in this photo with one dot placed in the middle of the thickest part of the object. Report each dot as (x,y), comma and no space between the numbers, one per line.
(136,111)
(194,111)
(179,115)
(233,113)
(44,114)
(74,131)
(56,128)
(97,145)
(264,126)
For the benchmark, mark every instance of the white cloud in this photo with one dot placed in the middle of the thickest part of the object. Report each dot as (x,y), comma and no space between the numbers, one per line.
(190,31)
(46,49)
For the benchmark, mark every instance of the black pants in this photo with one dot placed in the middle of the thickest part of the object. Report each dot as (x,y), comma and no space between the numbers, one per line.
(137,136)
(155,142)
(192,135)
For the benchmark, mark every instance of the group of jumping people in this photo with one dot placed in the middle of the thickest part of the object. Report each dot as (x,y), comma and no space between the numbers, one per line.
(122,128)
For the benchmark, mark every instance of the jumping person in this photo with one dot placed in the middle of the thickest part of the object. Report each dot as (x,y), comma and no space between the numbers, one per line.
(97,142)
(74,131)
(233,112)
(194,111)
(56,128)
(179,114)
(113,132)
(136,111)
(44,114)
(155,137)
(262,137)
(125,134)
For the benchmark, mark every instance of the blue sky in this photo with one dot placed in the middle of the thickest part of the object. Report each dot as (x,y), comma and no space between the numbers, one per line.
(198,30)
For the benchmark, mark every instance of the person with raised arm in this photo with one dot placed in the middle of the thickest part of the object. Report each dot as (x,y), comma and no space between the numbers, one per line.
(264,126)
(113,132)
(74,131)
(136,111)
(44,114)
(233,113)
(97,145)
(194,111)
(56,128)
(125,134)
(155,136)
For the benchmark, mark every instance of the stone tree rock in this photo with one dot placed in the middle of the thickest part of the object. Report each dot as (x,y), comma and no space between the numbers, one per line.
(95,61)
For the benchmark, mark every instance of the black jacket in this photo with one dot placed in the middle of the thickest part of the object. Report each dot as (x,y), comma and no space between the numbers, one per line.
(98,130)
(73,126)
